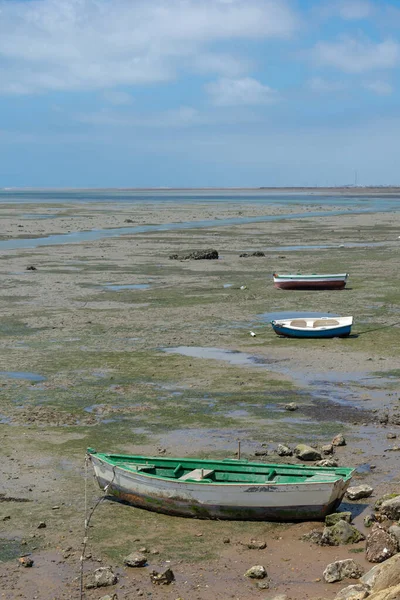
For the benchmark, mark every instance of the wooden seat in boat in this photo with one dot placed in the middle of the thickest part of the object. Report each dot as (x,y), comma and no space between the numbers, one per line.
(197,474)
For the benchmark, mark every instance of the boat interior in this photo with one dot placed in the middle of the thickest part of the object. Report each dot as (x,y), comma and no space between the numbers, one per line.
(313,323)
(228,472)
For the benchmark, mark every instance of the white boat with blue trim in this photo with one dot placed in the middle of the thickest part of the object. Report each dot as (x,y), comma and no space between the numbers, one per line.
(320,327)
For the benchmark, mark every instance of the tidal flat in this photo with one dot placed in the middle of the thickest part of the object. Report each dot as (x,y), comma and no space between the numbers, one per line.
(92,334)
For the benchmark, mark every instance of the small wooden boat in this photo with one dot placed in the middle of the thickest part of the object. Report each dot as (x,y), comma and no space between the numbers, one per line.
(222,489)
(321,327)
(312,281)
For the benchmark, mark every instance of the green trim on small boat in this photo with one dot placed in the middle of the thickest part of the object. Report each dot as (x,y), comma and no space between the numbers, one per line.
(229,471)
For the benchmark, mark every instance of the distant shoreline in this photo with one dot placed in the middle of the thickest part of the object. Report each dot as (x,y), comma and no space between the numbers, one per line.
(381,190)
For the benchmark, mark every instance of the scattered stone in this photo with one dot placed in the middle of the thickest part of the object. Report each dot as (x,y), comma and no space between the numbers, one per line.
(391,508)
(164,578)
(327,462)
(304,452)
(283,450)
(102,577)
(256,572)
(56,507)
(263,585)
(327,449)
(261,453)
(31,268)
(383,418)
(209,254)
(256,545)
(332,519)
(383,499)
(129,221)
(291,406)
(380,545)
(369,520)
(353,592)
(42,525)
(143,550)
(359,491)
(342,569)
(280,597)
(384,575)
(25,561)
(226,540)
(393,449)
(341,533)
(395,419)
(256,253)
(339,440)
(391,436)
(314,536)
(108,597)
(135,559)
(5,518)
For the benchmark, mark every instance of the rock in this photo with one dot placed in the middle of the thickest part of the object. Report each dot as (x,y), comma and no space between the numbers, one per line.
(391,436)
(108,597)
(335,517)
(135,559)
(380,545)
(341,533)
(353,592)
(164,578)
(369,520)
(25,561)
(256,545)
(342,569)
(279,597)
(391,508)
(395,531)
(304,452)
(261,453)
(129,221)
(263,585)
(102,577)
(226,540)
(256,253)
(383,418)
(327,449)
(283,450)
(383,575)
(395,419)
(42,525)
(314,536)
(31,268)
(359,491)
(256,572)
(291,406)
(327,462)
(383,499)
(339,440)
(209,254)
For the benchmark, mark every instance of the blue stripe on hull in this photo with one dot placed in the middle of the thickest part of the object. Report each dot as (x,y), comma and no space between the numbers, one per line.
(325,333)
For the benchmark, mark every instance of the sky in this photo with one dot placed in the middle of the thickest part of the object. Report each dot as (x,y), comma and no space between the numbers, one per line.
(199,93)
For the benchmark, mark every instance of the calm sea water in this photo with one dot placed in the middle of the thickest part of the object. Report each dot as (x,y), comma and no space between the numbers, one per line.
(376,202)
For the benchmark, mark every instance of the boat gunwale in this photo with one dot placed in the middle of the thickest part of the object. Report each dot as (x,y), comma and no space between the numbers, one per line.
(287,323)
(311,276)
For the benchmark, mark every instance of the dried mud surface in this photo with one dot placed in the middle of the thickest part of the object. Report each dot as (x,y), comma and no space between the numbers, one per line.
(83,364)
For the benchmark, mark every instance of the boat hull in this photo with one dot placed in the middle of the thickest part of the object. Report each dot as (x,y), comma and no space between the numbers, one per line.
(258,502)
(324,333)
(296,284)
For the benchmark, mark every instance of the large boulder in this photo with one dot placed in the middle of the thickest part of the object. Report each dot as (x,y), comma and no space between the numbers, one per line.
(341,533)
(391,508)
(304,452)
(342,569)
(135,559)
(256,572)
(391,593)
(380,545)
(102,577)
(353,592)
(208,254)
(283,450)
(383,575)
(359,491)
(333,518)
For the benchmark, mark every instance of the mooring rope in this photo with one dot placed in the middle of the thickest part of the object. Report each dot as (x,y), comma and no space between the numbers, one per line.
(87,521)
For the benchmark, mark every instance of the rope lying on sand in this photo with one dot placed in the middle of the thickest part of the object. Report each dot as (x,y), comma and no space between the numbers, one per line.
(87,521)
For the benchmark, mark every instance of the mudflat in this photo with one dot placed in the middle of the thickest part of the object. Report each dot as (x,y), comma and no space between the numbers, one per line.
(107,342)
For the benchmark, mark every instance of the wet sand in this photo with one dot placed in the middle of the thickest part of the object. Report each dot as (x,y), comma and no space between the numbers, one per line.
(82,342)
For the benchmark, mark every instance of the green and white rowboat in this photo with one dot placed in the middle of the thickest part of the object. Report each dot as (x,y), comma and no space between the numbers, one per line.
(222,489)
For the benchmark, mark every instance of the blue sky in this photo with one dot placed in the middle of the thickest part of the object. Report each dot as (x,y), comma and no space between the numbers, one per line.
(175,93)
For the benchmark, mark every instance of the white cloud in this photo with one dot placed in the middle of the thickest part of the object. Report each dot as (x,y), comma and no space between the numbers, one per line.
(95,44)
(233,92)
(357,55)
(382,88)
(354,9)
(320,85)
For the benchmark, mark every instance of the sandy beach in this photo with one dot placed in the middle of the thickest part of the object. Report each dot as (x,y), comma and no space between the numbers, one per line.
(106,343)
